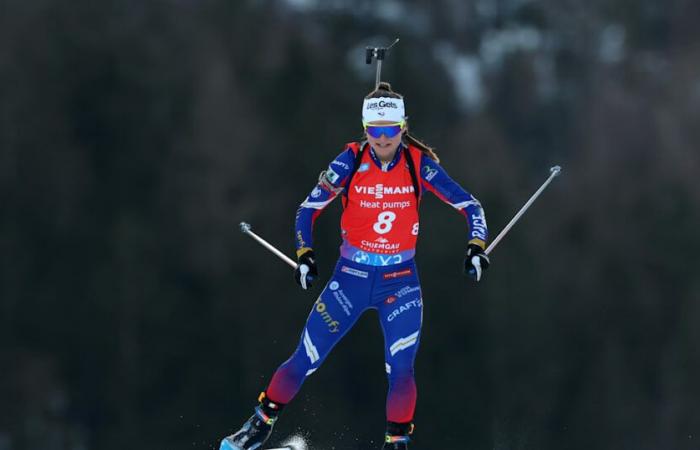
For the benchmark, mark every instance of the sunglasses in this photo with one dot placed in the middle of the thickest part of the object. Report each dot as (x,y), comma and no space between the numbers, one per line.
(389,131)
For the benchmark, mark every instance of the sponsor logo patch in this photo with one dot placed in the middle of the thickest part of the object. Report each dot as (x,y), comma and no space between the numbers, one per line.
(379,190)
(364,167)
(403,308)
(340,164)
(334,285)
(316,192)
(406,290)
(322,310)
(389,259)
(381,246)
(300,240)
(354,272)
(343,301)
(361,257)
(429,173)
(391,299)
(385,205)
(478,226)
(398,274)
(381,104)
(331,176)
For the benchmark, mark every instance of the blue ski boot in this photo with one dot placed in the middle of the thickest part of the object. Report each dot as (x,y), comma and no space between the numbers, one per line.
(397,436)
(256,430)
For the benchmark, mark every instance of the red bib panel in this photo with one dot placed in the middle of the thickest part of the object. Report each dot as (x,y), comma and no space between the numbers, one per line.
(381,212)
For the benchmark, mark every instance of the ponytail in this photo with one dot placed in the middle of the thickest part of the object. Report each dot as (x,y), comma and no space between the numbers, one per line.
(422,146)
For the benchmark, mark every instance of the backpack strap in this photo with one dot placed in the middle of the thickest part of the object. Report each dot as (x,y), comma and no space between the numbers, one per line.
(359,150)
(412,169)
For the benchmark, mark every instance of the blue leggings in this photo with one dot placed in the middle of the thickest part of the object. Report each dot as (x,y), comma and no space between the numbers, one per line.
(392,290)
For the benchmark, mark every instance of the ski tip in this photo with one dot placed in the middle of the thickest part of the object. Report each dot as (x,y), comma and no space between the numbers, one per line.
(227,445)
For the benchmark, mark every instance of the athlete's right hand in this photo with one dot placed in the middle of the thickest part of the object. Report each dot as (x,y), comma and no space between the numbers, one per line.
(306,270)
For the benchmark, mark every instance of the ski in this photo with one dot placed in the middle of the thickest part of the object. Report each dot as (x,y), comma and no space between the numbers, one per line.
(295,442)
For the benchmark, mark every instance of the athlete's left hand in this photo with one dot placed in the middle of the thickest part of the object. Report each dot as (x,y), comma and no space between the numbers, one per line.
(476,262)
(306,270)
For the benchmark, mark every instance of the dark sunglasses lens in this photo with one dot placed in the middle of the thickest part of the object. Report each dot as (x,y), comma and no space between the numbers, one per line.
(375,132)
(390,131)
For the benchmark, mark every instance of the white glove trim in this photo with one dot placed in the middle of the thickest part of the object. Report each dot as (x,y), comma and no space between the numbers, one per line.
(303,270)
(476,263)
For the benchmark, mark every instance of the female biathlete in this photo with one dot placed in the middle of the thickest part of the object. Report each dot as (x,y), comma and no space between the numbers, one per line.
(381,181)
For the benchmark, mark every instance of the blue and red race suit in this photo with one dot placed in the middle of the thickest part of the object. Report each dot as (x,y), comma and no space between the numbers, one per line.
(376,270)
(376,206)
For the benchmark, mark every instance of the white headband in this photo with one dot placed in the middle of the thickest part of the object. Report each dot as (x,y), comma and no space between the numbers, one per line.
(383,108)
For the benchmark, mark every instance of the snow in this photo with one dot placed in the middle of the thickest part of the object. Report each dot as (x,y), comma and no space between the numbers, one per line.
(296,442)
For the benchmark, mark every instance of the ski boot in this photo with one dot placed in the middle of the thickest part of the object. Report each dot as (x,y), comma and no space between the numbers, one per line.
(257,429)
(397,436)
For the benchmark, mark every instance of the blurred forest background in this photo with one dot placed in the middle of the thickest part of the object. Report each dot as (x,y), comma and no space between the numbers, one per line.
(136,135)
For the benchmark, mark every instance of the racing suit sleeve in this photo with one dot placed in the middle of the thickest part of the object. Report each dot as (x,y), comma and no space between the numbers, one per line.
(434,178)
(331,182)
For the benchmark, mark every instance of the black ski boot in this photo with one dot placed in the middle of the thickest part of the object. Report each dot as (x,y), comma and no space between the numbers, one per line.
(397,436)
(257,429)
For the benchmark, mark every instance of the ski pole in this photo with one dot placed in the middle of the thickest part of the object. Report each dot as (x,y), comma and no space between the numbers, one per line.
(555,171)
(245,228)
